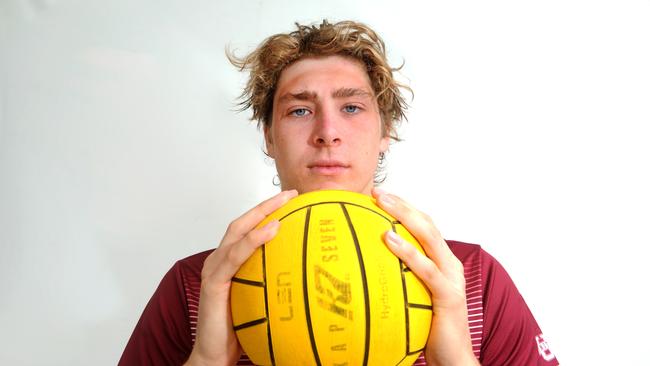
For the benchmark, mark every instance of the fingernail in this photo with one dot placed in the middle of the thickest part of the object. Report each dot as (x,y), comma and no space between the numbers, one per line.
(379,191)
(291,193)
(394,239)
(272,225)
(386,200)
(287,195)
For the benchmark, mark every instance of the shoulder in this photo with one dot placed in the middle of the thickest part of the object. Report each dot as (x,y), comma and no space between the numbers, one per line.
(502,327)
(474,254)
(166,329)
(194,263)
(188,271)
(181,280)
(462,250)
(494,277)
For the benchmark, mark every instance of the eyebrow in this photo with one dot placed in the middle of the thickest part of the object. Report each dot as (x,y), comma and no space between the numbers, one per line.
(303,95)
(338,93)
(350,92)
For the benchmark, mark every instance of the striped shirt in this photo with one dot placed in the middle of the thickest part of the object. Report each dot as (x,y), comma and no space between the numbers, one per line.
(502,328)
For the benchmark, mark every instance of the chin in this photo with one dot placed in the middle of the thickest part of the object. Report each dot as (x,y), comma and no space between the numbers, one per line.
(329,185)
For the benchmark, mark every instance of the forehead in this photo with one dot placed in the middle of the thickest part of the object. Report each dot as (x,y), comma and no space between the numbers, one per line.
(322,73)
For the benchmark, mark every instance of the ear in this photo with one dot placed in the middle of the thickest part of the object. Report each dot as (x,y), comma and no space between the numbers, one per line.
(268,139)
(384,143)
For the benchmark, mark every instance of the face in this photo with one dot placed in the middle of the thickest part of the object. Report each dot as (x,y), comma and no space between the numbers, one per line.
(326,130)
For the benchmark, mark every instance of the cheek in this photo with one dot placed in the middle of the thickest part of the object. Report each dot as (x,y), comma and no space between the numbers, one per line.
(283,145)
(288,150)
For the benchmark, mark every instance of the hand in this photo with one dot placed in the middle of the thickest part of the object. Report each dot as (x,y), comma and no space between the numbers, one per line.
(216,343)
(449,340)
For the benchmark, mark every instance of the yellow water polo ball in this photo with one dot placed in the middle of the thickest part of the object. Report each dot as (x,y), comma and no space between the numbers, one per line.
(327,291)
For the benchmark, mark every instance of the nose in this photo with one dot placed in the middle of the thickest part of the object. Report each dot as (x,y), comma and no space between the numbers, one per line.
(326,131)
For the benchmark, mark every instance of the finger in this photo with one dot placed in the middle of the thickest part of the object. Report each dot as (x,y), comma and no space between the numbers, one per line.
(243,249)
(249,220)
(446,291)
(417,223)
(226,261)
(421,265)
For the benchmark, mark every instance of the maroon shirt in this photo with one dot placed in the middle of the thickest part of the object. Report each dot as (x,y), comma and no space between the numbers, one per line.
(502,327)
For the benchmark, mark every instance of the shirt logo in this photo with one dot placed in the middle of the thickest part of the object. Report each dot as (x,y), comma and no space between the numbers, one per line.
(543,348)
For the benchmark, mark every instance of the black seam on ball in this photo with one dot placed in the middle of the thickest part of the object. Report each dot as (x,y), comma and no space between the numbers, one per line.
(405,296)
(266,307)
(340,203)
(364,282)
(305,289)
(420,306)
(248,282)
(249,324)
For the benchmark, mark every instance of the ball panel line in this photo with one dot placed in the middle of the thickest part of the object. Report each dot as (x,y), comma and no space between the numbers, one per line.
(364,281)
(266,306)
(250,324)
(305,242)
(407,322)
(339,203)
(248,282)
(405,295)
(420,306)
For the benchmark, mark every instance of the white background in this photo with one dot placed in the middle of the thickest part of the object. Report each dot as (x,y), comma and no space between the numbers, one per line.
(120,153)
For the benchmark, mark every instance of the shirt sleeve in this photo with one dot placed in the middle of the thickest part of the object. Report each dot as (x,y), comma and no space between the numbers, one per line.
(511,335)
(162,335)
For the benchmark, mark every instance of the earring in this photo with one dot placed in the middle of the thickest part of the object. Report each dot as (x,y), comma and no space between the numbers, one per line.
(380,176)
(276,180)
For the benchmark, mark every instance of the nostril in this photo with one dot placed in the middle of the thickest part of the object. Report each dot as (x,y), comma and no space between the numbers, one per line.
(327,141)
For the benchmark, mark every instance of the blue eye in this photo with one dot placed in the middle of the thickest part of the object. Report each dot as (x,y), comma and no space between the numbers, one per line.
(351,108)
(300,112)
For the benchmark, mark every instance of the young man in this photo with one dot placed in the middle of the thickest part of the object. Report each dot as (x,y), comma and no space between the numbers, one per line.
(328,104)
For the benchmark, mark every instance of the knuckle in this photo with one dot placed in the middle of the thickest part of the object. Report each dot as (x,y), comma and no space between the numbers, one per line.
(262,203)
(251,241)
(205,273)
(211,263)
(432,233)
(457,268)
(252,238)
(428,274)
(426,218)
(232,255)
(409,252)
(234,227)
(459,265)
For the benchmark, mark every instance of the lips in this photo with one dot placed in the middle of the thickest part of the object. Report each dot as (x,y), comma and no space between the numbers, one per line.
(328,167)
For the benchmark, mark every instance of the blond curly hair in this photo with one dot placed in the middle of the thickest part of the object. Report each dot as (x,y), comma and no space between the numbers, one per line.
(345,38)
